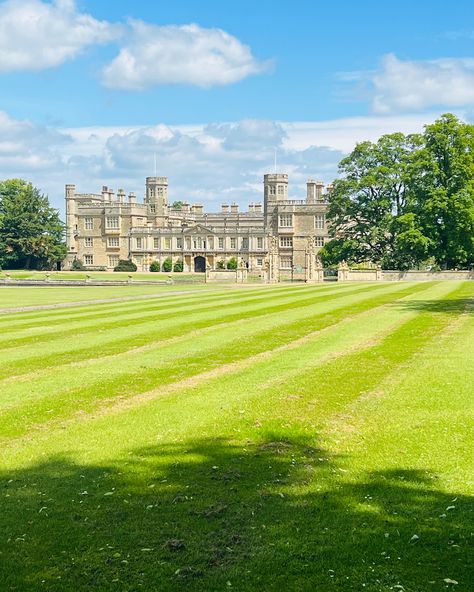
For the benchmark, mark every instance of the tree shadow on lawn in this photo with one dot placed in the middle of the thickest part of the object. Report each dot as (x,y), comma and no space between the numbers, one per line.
(454,306)
(216,515)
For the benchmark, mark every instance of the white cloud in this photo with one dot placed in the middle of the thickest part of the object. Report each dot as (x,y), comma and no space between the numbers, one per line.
(35,35)
(172,54)
(27,148)
(209,163)
(343,134)
(404,85)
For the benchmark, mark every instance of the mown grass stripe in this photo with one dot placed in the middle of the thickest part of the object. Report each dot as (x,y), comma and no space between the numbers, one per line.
(235,469)
(88,309)
(161,372)
(203,342)
(50,330)
(26,358)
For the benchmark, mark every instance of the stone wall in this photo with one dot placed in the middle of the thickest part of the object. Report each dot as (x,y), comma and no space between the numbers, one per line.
(221,275)
(417,276)
(345,274)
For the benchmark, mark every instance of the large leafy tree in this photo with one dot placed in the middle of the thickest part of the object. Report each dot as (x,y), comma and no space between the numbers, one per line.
(31,233)
(369,202)
(405,199)
(444,190)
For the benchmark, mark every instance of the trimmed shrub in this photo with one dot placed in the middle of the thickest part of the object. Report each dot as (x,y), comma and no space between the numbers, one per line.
(167,265)
(155,266)
(232,263)
(125,265)
(77,265)
(179,265)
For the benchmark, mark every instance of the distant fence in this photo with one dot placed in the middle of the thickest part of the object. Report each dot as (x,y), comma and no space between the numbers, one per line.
(374,275)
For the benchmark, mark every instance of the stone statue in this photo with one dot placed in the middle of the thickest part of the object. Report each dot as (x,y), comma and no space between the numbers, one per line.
(273,243)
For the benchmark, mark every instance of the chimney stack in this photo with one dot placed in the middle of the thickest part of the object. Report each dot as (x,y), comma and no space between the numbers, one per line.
(314,191)
(234,208)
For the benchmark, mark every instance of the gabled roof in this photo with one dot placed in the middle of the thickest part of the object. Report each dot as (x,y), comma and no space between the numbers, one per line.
(199,229)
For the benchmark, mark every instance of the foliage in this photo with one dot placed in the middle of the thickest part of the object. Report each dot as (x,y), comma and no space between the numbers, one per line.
(445,191)
(77,265)
(155,266)
(125,265)
(220,264)
(232,263)
(337,250)
(167,265)
(31,233)
(177,205)
(178,266)
(404,199)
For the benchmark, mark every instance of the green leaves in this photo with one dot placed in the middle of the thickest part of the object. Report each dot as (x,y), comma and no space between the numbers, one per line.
(405,199)
(31,233)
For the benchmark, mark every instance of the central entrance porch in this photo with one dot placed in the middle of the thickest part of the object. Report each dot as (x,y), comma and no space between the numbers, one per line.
(199,264)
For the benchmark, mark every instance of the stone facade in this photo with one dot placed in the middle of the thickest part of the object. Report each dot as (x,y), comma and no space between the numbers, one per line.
(103,228)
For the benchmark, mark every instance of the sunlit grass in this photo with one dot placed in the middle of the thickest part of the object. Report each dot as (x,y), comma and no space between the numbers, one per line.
(287,438)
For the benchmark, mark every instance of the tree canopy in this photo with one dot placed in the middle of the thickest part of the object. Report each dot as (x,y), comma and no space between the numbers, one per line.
(31,233)
(406,200)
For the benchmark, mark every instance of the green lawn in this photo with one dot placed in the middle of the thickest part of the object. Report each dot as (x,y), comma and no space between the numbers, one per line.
(301,438)
(19,296)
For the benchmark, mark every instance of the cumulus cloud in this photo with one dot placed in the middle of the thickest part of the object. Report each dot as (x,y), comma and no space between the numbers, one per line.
(404,85)
(248,134)
(35,35)
(210,164)
(187,54)
(26,147)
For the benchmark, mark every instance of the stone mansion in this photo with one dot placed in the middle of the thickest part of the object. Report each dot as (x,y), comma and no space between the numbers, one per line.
(105,227)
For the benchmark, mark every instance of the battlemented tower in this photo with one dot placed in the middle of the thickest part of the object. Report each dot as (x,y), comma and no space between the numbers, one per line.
(156,195)
(275,190)
(314,191)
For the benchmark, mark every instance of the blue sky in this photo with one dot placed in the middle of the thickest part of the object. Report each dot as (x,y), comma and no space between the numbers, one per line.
(90,90)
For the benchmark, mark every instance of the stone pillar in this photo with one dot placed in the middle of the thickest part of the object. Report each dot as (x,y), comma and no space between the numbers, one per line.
(342,272)
(273,261)
(378,274)
(313,269)
(241,276)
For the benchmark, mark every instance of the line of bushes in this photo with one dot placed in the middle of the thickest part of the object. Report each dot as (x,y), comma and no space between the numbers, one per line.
(167,265)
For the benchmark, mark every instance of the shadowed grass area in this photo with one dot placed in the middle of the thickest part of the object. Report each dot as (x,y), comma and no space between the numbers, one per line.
(330,448)
(210,514)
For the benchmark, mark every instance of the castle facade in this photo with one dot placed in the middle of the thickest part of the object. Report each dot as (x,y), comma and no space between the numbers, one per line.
(103,228)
